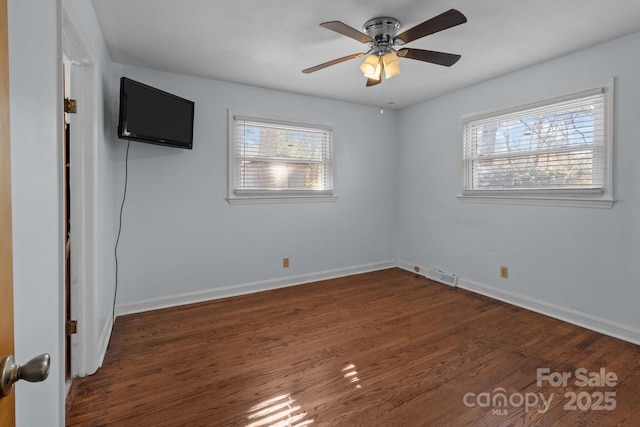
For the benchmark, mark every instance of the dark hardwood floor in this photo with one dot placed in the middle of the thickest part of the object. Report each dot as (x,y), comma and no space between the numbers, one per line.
(387,348)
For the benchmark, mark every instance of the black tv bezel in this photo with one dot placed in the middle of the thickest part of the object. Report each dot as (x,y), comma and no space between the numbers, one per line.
(151,139)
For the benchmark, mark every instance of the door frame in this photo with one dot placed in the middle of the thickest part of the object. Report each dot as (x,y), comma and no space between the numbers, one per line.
(85,84)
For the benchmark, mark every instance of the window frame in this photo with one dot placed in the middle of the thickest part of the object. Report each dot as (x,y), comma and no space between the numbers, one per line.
(547,197)
(238,196)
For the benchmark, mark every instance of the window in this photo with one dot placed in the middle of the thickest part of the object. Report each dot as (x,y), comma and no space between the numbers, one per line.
(555,151)
(276,160)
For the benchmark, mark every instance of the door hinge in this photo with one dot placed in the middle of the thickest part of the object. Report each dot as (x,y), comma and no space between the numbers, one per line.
(70,106)
(71,327)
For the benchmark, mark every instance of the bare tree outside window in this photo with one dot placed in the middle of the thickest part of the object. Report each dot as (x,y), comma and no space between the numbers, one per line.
(556,147)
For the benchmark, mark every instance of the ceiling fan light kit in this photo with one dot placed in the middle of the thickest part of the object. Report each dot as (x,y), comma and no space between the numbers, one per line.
(380,35)
(391,64)
(371,67)
(382,32)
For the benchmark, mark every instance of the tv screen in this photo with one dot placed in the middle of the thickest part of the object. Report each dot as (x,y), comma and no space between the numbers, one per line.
(151,115)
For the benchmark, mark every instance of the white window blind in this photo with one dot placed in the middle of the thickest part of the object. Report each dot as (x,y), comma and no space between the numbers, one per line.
(554,148)
(274,158)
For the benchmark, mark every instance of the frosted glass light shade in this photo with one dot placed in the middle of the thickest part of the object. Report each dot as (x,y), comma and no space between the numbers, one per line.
(391,64)
(371,67)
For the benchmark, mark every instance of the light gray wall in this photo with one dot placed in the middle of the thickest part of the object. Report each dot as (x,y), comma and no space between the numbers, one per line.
(577,258)
(181,236)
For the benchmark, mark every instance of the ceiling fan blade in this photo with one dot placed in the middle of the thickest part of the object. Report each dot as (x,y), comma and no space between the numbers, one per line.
(440,58)
(346,30)
(330,63)
(448,19)
(373,82)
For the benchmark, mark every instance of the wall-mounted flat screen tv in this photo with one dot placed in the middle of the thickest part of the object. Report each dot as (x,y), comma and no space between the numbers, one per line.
(151,115)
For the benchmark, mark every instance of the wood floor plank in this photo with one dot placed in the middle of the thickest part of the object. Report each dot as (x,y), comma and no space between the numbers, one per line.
(387,348)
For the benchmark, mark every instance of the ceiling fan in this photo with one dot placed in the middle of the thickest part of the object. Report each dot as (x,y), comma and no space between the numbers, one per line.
(380,35)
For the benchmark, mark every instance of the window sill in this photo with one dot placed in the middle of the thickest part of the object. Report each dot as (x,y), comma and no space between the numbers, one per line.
(540,201)
(280,199)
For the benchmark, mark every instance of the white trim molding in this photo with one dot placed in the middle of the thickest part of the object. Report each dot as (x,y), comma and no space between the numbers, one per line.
(597,193)
(239,147)
(246,288)
(103,341)
(540,201)
(86,89)
(594,323)
(598,324)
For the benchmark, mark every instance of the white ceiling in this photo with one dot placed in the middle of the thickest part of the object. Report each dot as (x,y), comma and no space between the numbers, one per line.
(268,43)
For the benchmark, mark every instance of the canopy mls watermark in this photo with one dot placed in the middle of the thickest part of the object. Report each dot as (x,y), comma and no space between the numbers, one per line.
(598,397)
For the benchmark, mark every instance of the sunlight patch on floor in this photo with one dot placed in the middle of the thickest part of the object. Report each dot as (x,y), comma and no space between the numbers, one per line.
(350,373)
(279,411)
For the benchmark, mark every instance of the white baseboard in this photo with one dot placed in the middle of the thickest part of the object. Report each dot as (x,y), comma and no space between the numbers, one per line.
(247,288)
(603,326)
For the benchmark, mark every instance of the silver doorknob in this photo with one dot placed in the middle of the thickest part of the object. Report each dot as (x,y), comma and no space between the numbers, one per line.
(35,370)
